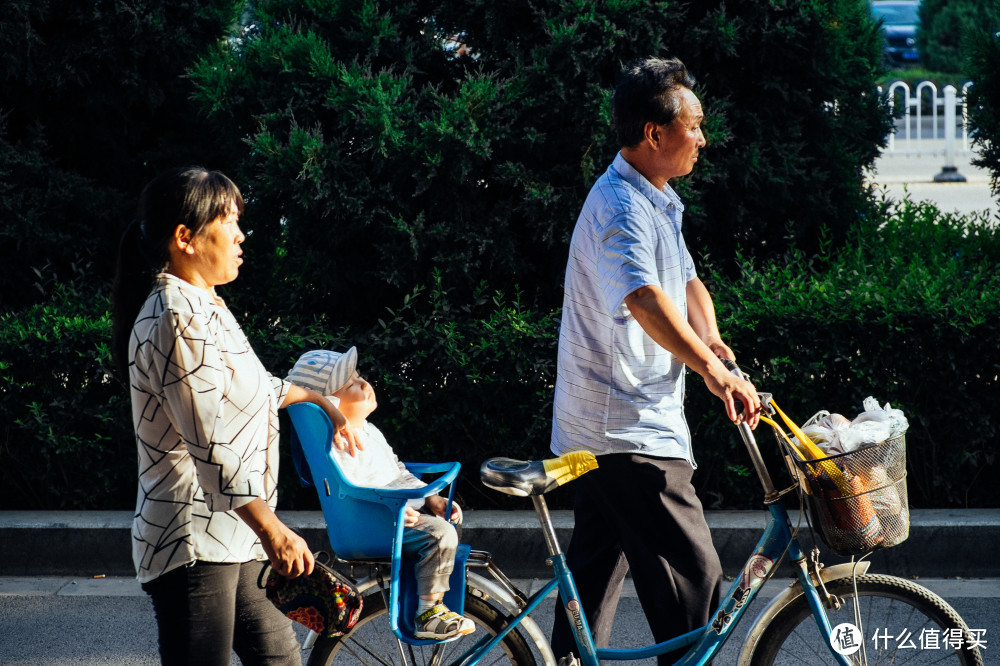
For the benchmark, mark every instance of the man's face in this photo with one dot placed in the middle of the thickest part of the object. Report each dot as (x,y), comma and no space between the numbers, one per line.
(681,140)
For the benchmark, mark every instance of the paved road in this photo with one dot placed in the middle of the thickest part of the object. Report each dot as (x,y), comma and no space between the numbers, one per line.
(902,175)
(79,621)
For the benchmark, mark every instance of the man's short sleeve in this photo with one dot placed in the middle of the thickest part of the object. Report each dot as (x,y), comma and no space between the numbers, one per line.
(625,258)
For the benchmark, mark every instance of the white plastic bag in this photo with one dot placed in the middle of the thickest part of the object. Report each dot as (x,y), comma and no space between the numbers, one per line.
(875,424)
(834,434)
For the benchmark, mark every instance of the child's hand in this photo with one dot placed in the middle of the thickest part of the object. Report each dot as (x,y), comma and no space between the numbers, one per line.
(438,504)
(411,517)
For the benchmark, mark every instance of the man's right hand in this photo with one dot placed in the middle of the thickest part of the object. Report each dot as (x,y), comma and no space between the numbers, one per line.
(732,390)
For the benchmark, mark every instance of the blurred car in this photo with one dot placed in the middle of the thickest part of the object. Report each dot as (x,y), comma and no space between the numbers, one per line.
(899,23)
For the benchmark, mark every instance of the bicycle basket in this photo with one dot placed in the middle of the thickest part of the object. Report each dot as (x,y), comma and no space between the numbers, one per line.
(865,508)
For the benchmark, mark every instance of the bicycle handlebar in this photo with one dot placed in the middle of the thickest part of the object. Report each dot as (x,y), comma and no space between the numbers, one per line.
(732,367)
(751,443)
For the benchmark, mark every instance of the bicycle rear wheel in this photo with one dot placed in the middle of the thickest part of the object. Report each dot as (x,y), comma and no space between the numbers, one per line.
(371,641)
(900,622)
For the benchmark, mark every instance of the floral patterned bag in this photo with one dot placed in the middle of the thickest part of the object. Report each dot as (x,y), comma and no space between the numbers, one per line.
(324,601)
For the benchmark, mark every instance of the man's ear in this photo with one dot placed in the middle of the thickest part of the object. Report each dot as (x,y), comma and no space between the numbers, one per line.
(652,134)
(182,239)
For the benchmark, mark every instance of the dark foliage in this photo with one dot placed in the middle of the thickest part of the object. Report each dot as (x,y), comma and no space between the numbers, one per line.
(390,141)
(900,312)
(983,57)
(945,28)
(65,423)
(412,173)
(93,102)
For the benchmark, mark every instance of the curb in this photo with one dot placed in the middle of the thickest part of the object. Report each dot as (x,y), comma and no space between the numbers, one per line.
(942,542)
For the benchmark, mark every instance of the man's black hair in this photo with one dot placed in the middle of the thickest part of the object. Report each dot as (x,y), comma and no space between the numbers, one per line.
(647,91)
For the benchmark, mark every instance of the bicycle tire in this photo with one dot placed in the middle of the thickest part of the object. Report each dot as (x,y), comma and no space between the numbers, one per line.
(371,641)
(889,606)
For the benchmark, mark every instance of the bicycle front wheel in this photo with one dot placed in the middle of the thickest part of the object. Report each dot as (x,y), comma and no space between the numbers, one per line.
(901,622)
(371,641)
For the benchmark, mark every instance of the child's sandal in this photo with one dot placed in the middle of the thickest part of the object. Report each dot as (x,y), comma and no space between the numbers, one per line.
(439,623)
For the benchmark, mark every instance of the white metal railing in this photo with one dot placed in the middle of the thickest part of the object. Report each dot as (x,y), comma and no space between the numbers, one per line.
(938,137)
(912,130)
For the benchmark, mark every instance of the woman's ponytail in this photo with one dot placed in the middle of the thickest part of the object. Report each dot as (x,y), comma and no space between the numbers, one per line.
(134,277)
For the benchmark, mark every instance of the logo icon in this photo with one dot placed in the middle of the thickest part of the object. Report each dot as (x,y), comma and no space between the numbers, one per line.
(573,608)
(846,639)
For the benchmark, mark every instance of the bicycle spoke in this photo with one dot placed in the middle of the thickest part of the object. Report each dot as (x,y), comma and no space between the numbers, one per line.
(437,655)
(809,645)
(371,652)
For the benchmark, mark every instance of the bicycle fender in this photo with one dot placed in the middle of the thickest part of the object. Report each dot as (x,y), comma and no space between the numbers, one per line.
(485,588)
(787,596)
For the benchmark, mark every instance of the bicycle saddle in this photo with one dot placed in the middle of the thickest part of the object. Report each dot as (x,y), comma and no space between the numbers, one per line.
(535,477)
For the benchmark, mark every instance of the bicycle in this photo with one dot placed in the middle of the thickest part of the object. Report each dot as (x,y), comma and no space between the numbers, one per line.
(795,627)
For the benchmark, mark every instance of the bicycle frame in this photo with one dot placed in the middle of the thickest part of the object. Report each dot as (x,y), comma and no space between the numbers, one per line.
(702,643)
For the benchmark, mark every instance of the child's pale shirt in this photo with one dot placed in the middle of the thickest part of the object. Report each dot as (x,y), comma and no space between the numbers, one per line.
(376,466)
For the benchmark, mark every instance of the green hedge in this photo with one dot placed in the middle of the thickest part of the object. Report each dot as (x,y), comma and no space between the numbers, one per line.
(905,311)
(66,437)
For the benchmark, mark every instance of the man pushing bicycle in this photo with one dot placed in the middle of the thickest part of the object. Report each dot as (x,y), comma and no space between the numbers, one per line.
(634,315)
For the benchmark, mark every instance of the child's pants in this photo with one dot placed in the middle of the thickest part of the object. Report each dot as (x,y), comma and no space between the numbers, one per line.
(433,542)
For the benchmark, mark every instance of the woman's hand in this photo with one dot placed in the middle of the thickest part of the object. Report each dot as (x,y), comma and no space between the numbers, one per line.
(287,551)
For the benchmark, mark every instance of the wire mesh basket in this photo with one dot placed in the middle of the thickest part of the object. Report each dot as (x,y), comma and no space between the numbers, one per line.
(857,500)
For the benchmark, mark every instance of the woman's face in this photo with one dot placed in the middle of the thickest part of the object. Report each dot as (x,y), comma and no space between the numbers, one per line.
(213,256)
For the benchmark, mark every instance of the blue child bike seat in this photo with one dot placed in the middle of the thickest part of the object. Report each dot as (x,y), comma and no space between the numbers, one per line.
(367,523)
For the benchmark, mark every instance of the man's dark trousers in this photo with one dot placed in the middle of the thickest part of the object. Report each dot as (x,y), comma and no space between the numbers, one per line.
(641,513)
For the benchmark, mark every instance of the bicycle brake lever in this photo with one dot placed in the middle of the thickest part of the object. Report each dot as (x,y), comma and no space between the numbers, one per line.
(765,403)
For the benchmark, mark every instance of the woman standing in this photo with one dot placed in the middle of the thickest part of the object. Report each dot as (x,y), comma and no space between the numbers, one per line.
(205,417)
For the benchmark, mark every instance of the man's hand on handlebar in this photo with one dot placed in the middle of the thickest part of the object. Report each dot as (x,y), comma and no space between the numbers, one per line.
(737,393)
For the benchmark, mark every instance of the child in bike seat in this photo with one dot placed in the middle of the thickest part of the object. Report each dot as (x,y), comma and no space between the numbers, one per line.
(427,535)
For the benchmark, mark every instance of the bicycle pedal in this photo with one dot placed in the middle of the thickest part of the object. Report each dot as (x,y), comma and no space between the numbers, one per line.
(568,660)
